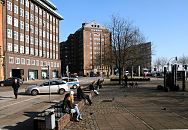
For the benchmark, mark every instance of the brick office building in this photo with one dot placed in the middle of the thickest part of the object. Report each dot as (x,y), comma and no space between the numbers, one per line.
(30,40)
(82,48)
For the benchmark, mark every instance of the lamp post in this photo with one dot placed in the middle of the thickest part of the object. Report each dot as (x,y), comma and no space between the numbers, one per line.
(170,60)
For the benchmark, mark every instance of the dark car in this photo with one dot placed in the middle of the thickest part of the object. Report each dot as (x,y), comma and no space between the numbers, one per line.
(8,82)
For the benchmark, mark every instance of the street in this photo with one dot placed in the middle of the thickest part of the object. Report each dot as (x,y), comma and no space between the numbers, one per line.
(17,114)
(147,107)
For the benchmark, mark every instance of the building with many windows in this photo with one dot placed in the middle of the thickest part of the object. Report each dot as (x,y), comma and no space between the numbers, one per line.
(29,39)
(84,50)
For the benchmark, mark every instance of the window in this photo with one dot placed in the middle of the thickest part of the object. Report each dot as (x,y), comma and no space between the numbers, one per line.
(57,64)
(21,12)
(47,54)
(26,26)
(15,48)
(21,37)
(9,5)
(52,64)
(32,62)
(22,2)
(44,53)
(40,43)
(27,50)
(36,30)
(37,62)
(36,19)
(11,60)
(21,49)
(9,19)
(44,44)
(47,44)
(40,11)
(40,53)
(9,33)
(57,56)
(17,60)
(15,9)
(32,6)
(28,61)
(44,33)
(31,40)
(9,47)
(41,63)
(27,3)
(36,52)
(32,28)
(36,9)
(32,51)
(27,38)
(36,41)
(23,61)
(21,24)
(40,21)
(32,17)
(15,35)
(15,22)
(27,14)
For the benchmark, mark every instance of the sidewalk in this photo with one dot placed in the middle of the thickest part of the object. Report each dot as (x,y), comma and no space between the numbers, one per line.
(142,108)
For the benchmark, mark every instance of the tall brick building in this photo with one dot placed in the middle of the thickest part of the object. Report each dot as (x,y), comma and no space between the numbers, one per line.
(29,39)
(83,50)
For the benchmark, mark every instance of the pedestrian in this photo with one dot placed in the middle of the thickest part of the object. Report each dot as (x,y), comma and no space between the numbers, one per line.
(92,88)
(125,80)
(15,86)
(71,108)
(82,95)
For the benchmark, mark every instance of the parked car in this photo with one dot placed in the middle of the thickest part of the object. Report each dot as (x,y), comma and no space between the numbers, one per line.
(72,82)
(8,82)
(56,86)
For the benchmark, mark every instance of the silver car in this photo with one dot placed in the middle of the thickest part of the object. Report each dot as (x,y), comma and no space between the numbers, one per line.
(56,86)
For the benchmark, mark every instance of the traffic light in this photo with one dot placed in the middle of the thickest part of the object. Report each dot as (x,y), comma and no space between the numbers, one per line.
(185,66)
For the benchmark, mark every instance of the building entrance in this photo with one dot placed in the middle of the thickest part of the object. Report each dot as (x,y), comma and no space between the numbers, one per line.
(17,73)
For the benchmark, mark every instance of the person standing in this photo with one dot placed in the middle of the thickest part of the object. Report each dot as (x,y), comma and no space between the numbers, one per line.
(15,86)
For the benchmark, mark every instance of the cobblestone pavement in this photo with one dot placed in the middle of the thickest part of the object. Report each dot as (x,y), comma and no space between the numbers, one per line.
(142,108)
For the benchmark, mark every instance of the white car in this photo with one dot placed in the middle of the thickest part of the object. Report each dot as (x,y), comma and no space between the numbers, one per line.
(72,82)
(56,86)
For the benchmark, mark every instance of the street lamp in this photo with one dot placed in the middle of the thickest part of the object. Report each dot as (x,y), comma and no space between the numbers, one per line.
(170,60)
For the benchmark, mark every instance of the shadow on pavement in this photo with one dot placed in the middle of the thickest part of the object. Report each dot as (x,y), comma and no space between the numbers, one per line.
(25,125)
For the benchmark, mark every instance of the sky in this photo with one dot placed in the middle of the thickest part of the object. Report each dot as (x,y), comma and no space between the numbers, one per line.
(163,22)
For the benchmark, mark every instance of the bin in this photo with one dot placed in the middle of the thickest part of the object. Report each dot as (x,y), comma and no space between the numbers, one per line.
(50,119)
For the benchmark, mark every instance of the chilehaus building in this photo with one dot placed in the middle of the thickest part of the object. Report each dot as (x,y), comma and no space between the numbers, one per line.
(29,39)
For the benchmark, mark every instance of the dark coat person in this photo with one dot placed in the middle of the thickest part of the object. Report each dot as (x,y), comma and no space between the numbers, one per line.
(125,80)
(15,86)
(82,95)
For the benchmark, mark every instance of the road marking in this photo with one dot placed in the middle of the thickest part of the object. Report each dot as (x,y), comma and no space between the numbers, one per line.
(19,102)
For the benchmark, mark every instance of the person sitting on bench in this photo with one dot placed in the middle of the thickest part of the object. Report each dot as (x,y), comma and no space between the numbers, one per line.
(82,95)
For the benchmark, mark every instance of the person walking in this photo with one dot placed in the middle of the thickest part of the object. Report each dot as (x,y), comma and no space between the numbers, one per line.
(15,86)
(125,80)
(82,95)
(92,88)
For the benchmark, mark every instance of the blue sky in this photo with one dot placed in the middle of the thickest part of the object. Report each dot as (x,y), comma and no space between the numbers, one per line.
(163,22)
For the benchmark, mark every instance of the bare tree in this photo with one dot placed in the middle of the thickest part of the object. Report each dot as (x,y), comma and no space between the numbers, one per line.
(160,62)
(183,60)
(124,36)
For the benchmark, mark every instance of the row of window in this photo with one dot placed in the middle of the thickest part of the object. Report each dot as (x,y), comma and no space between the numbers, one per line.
(24,61)
(33,51)
(37,9)
(32,28)
(32,40)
